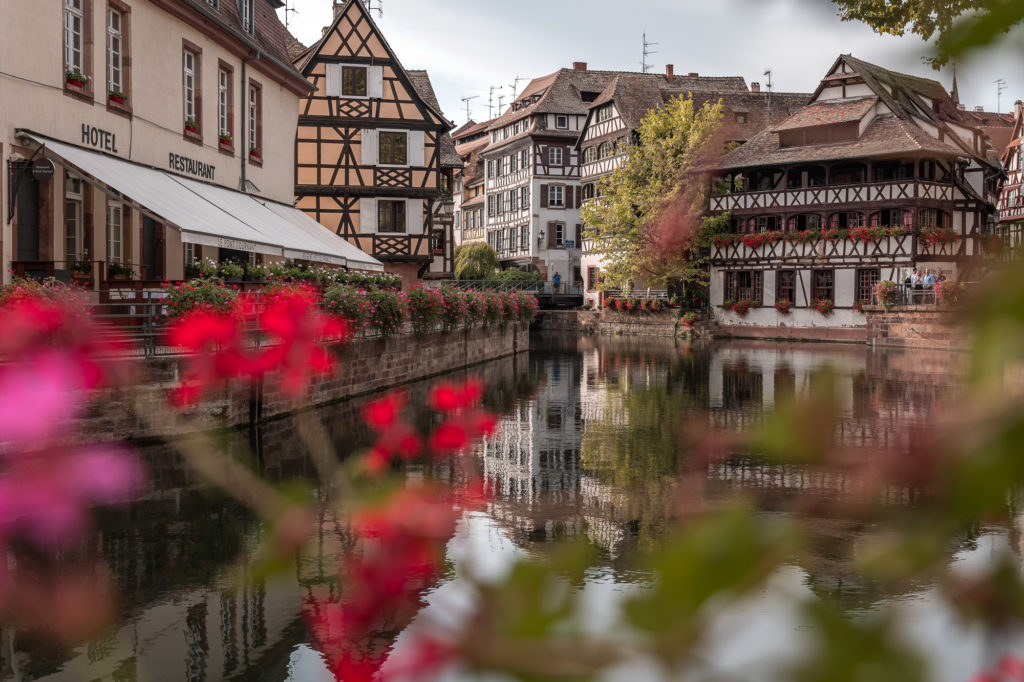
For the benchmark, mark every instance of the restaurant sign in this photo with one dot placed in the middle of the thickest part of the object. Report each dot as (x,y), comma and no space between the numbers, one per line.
(184,164)
(235,245)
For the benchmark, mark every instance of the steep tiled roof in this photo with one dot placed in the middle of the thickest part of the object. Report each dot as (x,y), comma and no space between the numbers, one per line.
(827,112)
(760,110)
(421,81)
(469,129)
(887,135)
(294,46)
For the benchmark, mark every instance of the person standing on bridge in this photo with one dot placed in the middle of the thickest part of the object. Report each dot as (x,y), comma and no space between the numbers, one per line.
(556,280)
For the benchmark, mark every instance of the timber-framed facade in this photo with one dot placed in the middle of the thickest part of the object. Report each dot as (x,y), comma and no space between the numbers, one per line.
(374,162)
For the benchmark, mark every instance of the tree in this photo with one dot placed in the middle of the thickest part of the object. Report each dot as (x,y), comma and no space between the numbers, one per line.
(957,25)
(475,261)
(646,219)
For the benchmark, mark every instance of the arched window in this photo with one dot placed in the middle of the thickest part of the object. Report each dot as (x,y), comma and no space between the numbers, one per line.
(605,150)
(892,217)
(845,220)
(805,221)
(930,217)
(884,171)
(765,179)
(620,145)
(588,191)
(589,154)
(765,223)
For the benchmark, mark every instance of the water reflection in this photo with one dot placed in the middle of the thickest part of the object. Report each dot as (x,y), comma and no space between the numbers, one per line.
(593,435)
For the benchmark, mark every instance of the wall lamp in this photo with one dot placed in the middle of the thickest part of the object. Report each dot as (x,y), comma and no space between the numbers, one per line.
(540,237)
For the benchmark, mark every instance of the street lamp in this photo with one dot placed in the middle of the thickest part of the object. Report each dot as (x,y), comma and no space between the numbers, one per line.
(540,237)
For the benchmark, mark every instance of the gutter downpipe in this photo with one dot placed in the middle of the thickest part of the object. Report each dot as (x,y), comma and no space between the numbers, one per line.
(245,117)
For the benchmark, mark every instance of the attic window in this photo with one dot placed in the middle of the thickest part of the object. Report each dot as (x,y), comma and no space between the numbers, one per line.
(604,113)
(214,4)
(588,96)
(247,18)
(561,122)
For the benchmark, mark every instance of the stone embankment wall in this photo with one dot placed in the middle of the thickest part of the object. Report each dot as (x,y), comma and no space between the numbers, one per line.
(664,323)
(917,327)
(363,366)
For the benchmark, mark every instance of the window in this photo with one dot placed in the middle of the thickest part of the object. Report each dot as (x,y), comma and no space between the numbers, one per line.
(591,278)
(892,217)
(741,117)
(390,216)
(512,195)
(213,3)
(604,113)
(524,237)
(74,29)
(562,122)
(246,12)
(866,281)
(437,241)
(256,120)
(785,285)
(191,90)
(115,211)
(588,191)
(490,204)
(490,168)
(555,156)
(512,163)
(393,149)
(524,162)
(558,233)
(590,154)
(72,219)
(353,81)
(499,203)
(115,55)
(524,198)
(766,223)
(743,285)
(506,165)
(620,145)
(846,220)
(823,285)
(556,195)
(224,122)
(805,221)
(605,150)
(929,217)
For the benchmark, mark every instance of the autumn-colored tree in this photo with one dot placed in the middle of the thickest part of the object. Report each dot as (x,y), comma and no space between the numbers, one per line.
(647,216)
(957,25)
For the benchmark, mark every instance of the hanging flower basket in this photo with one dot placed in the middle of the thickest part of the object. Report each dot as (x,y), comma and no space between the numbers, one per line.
(886,292)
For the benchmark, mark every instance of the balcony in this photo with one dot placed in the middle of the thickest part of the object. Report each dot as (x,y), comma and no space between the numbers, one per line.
(895,190)
(903,248)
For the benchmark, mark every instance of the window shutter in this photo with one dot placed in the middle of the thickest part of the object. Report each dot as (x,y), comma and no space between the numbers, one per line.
(543,196)
(579,197)
(414,216)
(579,235)
(367,216)
(369,146)
(375,81)
(333,85)
(552,242)
(416,144)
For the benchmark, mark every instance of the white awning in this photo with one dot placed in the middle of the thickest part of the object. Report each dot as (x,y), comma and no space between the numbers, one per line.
(215,216)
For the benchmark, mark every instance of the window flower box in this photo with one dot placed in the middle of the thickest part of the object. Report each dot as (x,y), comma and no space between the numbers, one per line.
(224,139)
(117,97)
(783,305)
(255,155)
(825,306)
(191,126)
(75,78)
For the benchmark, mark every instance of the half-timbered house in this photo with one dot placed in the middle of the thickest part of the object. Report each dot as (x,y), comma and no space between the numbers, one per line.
(373,155)
(469,141)
(1010,230)
(616,114)
(880,173)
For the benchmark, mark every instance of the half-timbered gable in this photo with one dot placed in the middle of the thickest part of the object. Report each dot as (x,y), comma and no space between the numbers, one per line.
(374,162)
(880,173)
(1011,197)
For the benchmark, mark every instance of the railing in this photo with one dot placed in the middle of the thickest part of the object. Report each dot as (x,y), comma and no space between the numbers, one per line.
(636,293)
(893,190)
(783,249)
(537,288)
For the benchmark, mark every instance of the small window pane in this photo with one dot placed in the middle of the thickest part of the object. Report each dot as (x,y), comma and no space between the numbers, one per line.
(353,81)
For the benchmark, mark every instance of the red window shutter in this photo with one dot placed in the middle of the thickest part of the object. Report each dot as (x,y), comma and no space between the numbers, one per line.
(543,196)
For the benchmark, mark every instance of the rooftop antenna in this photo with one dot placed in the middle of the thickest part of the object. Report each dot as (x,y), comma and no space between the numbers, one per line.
(647,53)
(501,103)
(288,9)
(375,6)
(490,101)
(515,85)
(469,114)
(1000,86)
(768,72)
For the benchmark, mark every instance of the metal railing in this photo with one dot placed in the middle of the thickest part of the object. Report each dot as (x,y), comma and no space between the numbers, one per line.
(537,288)
(636,293)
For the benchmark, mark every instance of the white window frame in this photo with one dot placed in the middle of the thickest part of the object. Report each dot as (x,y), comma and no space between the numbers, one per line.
(561,196)
(223,88)
(73,217)
(190,84)
(254,113)
(524,197)
(246,12)
(115,230)
(115,57)
(74,29)
(556,156)
(559,233)
(561,122)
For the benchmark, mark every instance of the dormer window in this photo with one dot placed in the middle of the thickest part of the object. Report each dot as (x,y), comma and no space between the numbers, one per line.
(214,4)
(246,11)
(604,113)
(561,122)
(800,137)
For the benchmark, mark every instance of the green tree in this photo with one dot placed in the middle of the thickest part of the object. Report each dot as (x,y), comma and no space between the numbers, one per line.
(475,261)
(957,25)
(647,217)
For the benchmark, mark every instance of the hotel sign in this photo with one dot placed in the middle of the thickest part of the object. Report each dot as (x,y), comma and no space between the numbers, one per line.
(99,138)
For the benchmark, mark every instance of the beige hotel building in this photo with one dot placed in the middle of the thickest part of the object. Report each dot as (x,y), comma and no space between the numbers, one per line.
(147,133)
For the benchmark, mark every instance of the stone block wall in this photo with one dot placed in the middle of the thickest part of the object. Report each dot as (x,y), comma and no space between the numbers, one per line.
(587,321)
(363,366)
(663,323)
(916,327)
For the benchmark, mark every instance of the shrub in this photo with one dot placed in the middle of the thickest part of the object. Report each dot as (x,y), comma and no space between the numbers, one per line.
(454,309)
(208,295)
(349,303)
(783,305)
(387,311)
(49,288)
(426,306)
(526,306)
(948,291)
(886,292)
(495,308)
(689,318)
(256,273)
(516,276)
(825,306)
(231,269)
(476,308)
(859,304)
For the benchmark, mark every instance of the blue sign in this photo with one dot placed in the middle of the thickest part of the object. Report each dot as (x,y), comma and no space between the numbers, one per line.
(569,244)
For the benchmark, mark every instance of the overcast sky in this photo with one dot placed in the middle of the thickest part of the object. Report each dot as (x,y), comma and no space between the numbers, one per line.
(468,46)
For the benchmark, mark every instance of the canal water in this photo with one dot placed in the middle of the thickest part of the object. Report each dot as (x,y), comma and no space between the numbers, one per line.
(593,433)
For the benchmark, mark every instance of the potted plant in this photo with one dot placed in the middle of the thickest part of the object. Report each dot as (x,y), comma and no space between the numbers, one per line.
(120,271)
(254,154)
(825,306)
(886,292)
(224,139)
(117,97)
(82,267)
(255,273)
(231,271)
(75,78)
(191,126)
(948,291)
(783,305)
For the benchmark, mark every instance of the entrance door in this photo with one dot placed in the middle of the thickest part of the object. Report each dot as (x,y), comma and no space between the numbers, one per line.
(28,214)
(150,252)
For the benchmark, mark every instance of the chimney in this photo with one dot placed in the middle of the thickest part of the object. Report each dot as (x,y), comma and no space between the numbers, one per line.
(1018,109)
(670,73)
(693,74)
(338,6)
(979,108)
(755,87)
(579,66)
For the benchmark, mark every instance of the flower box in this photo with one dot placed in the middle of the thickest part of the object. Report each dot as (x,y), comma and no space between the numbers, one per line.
(255,155)
(76,79)
(224,140)
(117,98)
(191,126)
(783,305)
